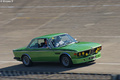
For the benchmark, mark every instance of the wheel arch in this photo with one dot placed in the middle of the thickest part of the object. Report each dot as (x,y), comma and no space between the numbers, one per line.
(25,55)
(64,54)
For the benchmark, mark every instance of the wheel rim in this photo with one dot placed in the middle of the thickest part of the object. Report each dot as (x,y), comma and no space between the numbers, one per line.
(26,60)
(65,61)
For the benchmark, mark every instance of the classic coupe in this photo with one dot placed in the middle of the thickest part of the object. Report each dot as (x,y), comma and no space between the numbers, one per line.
(59,47)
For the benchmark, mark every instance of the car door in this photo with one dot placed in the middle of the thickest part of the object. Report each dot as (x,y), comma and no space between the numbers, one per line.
(39,53)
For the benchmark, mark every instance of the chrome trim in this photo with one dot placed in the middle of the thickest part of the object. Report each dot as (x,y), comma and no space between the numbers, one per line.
(44,50)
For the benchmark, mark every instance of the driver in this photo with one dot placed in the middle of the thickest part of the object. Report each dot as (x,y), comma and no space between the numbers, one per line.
(45,43)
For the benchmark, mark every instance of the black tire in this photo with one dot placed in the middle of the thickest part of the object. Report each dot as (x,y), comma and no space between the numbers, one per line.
(26,61)
(66,61)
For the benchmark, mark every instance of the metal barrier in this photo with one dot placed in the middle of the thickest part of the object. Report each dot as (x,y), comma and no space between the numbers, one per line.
(26,75)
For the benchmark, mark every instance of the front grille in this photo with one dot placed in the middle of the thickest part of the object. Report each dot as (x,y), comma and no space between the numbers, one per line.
(90,52)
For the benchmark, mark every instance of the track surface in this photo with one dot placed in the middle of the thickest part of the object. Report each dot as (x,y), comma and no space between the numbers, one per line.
(87,20)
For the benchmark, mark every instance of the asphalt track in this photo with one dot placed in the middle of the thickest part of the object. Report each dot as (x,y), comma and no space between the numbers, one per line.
(87,20)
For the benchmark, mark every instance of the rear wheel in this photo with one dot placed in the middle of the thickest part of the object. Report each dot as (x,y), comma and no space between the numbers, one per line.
(66,61)
(26,61)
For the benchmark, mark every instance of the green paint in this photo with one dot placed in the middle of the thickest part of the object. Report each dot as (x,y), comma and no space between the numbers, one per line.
(53,54)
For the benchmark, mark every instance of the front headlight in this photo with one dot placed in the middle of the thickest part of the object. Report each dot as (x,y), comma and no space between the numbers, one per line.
(79,54)
(83,53)
(86,54)
(96,51)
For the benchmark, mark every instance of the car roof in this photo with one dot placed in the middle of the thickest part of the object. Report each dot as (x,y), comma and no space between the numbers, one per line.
(50,35)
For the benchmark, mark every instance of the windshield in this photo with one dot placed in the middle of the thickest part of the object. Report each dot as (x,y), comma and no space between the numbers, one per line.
(62,40)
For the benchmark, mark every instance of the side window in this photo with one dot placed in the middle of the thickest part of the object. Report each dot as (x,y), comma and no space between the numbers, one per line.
(43,43)
(34,44)
(39,43)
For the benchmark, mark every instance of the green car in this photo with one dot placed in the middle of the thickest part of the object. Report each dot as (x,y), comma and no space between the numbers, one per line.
(59,47)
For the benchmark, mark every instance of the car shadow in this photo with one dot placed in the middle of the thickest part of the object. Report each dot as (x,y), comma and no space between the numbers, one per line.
(45,67)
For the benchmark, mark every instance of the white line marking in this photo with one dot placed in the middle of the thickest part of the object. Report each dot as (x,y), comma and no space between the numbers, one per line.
(118,5)
(9,61)
(108,13)
(88,25)
(13,18)
(45,6)
(20,14)
(6,62)
(1,63)
(4,53)
(109,63)
(64,6)
(8,21)
(49,21)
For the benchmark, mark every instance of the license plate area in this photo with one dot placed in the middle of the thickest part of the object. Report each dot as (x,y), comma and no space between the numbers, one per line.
(93,57)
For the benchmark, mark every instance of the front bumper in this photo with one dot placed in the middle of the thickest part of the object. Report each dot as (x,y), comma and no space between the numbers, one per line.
(87,59)
(17,58)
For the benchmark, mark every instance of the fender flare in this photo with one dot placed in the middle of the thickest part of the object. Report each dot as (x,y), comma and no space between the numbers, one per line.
(64,54)
(26,55)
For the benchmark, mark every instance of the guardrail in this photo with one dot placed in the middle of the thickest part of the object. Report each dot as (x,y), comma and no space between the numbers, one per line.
(27,75)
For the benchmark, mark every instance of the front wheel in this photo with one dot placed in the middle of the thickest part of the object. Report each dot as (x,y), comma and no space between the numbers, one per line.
(26,61)
(66,61)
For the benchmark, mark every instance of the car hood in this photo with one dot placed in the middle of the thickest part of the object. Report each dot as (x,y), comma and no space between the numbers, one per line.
(80,46)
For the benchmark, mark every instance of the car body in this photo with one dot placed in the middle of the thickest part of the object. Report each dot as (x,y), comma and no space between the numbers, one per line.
(60,47)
